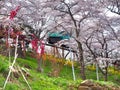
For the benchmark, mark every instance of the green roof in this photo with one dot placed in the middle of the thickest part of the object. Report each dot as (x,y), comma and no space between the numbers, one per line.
(62,34)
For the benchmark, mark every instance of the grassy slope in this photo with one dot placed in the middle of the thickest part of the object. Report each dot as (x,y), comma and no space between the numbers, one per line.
(41,81)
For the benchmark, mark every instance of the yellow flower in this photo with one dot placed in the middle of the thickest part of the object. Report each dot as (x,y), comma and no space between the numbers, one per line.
(68,62)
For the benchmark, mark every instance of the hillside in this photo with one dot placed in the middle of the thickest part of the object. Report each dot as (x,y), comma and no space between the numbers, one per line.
(46,80)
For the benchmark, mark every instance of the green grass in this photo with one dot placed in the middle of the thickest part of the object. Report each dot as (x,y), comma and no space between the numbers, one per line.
(41,81)
(114,78)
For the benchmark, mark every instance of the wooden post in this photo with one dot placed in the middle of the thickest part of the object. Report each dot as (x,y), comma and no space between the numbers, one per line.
(97,73)
(62,53)
(73,71)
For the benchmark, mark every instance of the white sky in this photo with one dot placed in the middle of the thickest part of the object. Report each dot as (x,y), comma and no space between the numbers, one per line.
(110,14)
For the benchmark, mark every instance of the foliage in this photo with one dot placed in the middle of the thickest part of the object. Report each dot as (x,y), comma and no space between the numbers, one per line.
(42,81)
(111,70)
(11,86)
(113,74)
(62,61)
(114,71)
(85,20)
(91,67)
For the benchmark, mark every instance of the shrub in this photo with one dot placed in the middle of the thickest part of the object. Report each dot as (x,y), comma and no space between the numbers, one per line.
(91,67)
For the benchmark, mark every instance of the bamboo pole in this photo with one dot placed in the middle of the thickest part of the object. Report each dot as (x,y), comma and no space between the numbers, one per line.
(97,74)
(24,78)
(73,71)
(11,66)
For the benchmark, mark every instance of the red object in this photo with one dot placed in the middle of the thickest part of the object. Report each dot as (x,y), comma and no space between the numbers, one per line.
(34,43)
(42,47)
(19,33)
(13,13)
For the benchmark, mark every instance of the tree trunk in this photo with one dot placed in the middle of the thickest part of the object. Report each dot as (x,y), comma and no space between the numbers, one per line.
(81,61)
(39,59)
(107,63)
(106,71)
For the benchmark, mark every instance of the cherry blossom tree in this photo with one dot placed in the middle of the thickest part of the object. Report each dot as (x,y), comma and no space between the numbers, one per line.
(70,16)
(82,19)
(99,44)
(114,6)
(32,17)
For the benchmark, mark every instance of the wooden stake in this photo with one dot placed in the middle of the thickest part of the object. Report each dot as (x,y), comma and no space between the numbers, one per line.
(11,66)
